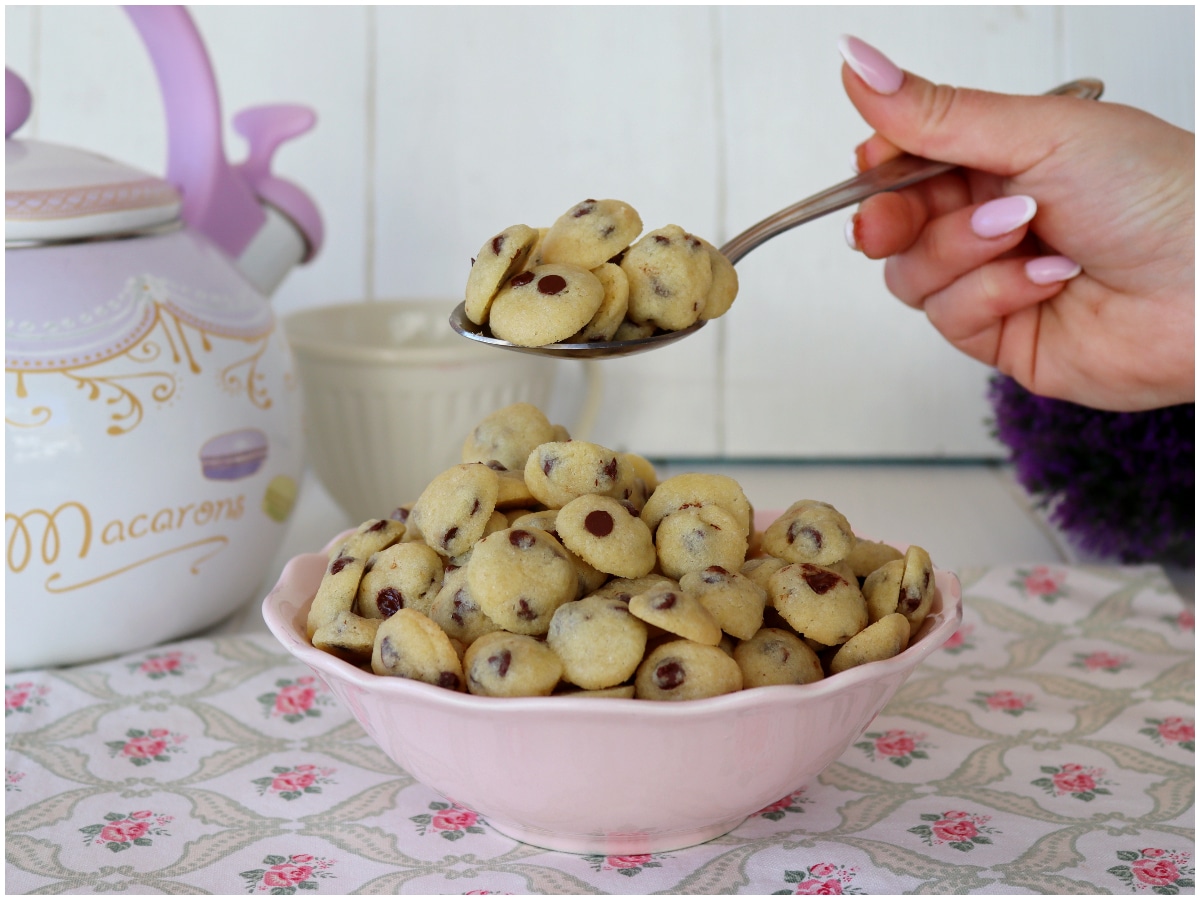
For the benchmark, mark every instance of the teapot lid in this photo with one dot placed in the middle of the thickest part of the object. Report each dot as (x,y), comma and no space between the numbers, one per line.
(54,193)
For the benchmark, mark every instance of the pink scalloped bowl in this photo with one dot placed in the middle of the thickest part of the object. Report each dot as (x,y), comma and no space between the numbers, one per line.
(609,776)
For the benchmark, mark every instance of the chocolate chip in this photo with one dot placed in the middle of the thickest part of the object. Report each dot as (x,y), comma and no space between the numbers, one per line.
(822,581)
(551,284)
(587,207)
(661,239)
(714,574)
(500,662)
(607,231)
(616,260)
(340,563)
(660,289)
(521,539)
(497,243)
(599,522)
(449,535)
(909,601)
(548,463)
(388,654)
(669,674)
(524,611)
(666,601)
(521,280)
(400,514)
(389,600)
(497,465)
(378,526)
(777,650)
(448,680)
(475,507)
(796,530)
(610,469)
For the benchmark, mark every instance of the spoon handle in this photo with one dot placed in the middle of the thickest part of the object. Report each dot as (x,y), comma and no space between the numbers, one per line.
(901,172)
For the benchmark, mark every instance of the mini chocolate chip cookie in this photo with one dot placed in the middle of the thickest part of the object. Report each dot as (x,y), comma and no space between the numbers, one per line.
(507,436)
(699,537)
(879,640)
(685,670)
(724,287)
(731,598)
(691,489)
(809,531)
(607,535)
(676,611)
(456,612)
(347,560)
(777,656)
(611,314)
(599,642)
(348,636)
(818,603)
(519,577)
(410,645)
(867,556)
(591,233)
(500,664)
(545,305)
(498,260)
(559,471)
(669,278)
(454,509)
(402,576)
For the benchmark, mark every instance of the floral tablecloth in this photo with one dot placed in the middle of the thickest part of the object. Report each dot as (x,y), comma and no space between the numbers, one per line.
(1048,748)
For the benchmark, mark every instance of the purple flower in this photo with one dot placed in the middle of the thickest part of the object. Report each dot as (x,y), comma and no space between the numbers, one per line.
(1121,485)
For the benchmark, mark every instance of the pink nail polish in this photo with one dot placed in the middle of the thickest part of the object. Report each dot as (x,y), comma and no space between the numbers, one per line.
(848,231)
(880,73)
(1051,269)
(999,217)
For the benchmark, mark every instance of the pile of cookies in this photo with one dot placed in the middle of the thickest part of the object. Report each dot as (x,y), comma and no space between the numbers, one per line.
(544,565)
(589,277)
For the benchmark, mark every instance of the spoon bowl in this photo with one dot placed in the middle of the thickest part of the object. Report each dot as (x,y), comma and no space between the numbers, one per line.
(898,173)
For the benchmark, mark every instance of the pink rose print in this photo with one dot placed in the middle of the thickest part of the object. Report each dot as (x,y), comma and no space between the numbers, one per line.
(294,700)
(1186,620)
(1155,870)
(449,820)
(287,874)
(1072,779)
(955,828)
(960,641)
(896,746)
(1007,702)
(162,665)
(792,803)
(293,782)
(23,696)
(822,878)
(11,779)
(1042,582)
(120,831)
(1171,730)
(1100,661)
(629,865)
(144,747)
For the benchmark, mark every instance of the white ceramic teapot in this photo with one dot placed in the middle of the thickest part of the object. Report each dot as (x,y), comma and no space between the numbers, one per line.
(152,413)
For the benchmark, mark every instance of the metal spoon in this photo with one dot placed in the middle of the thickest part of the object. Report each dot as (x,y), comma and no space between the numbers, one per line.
(901,172)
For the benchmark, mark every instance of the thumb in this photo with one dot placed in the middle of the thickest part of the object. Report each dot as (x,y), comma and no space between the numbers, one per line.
(999,133)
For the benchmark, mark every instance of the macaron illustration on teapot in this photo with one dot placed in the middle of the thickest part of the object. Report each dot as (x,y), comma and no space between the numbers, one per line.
(152,413)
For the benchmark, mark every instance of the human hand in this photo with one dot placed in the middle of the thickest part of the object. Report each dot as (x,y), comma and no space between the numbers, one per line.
(1062,252)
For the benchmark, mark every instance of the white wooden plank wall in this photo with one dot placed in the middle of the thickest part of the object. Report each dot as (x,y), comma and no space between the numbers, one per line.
(439,125)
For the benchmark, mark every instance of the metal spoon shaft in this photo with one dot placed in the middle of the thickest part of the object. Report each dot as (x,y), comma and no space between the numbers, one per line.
(901,172)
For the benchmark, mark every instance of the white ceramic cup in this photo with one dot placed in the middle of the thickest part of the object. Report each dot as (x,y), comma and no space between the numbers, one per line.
(391,392)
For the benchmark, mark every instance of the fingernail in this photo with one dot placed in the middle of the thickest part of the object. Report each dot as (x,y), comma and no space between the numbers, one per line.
(849,231)
(880,73)
(1049,269)
(854,166)
(999,217)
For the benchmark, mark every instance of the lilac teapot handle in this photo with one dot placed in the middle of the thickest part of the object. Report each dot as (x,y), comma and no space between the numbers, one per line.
(220,200)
